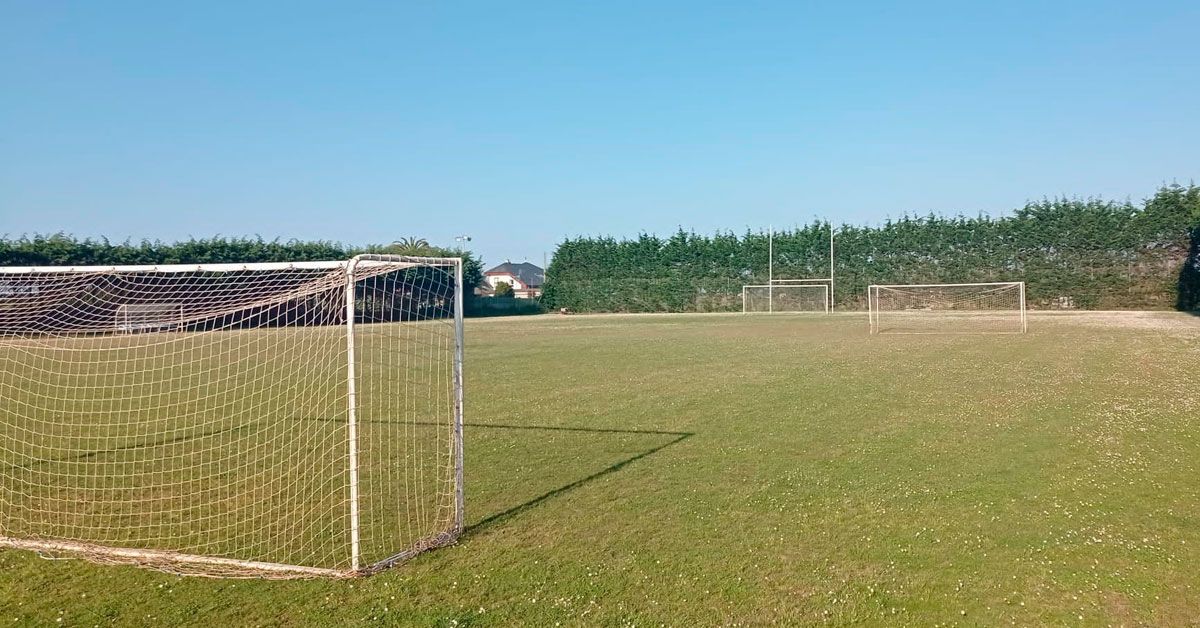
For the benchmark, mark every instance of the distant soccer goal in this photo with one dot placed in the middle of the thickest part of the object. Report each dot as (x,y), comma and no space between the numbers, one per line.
(780,298)
(250,420)
(965,308)
(143,317)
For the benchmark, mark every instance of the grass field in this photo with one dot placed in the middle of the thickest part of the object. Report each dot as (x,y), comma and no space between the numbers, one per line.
(729,469)
(229,444)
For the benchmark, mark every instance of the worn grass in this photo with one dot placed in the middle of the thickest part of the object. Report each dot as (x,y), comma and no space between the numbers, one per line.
(730,469)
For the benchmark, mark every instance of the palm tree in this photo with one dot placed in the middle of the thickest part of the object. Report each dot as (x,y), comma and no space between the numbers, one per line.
(409,246)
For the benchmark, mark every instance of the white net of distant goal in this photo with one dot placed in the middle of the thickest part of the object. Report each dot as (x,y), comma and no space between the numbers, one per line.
(139,317)
(785,298)
(261,420)
(947,308)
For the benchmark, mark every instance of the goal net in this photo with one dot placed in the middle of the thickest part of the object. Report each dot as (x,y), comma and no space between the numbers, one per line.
(947,308)
(271,420)
(785,298)
(138,317)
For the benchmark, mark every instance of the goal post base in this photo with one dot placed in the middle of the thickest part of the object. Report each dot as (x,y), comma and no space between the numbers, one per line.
(173,562)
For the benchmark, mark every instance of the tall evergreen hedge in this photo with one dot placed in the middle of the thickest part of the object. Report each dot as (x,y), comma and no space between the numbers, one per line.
(1071,253)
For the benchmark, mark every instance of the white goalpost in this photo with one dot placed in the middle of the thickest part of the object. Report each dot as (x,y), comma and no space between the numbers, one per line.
(980,308)
(240,420)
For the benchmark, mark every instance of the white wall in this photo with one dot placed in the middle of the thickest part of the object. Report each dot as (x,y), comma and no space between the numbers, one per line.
(492,280)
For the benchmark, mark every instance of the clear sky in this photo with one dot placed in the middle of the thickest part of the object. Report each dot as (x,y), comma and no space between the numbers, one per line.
(520,123)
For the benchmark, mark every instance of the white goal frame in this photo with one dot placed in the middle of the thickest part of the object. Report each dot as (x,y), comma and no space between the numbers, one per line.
(131,317)
(352,272)
(786,284)
(874,312)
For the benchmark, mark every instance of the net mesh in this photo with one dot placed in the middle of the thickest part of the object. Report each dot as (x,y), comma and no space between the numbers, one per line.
(791,298)
(216,440)
(969,308)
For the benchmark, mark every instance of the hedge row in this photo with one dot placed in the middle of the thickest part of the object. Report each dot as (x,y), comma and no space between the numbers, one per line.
(1071,253)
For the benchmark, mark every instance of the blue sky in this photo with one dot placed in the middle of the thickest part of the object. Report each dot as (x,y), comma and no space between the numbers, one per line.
(521,123)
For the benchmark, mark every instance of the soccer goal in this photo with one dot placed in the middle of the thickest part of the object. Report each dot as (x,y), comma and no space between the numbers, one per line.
(266,420)
(139,317)
(783,298)
(979,308)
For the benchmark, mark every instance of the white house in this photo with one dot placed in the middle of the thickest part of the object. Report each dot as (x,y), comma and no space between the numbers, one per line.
(525,278)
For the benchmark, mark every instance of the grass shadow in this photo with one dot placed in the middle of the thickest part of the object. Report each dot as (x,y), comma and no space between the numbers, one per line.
(487,521)
(613,468)
(151,444)
(531,503)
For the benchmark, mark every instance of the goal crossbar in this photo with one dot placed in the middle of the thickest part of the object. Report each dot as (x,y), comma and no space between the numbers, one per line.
(788,282)
(362,261)
(947,285)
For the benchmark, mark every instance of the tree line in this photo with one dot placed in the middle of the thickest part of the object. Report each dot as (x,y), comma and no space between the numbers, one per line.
(1072,253)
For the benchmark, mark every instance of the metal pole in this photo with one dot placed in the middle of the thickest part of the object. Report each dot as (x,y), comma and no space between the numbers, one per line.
(771,268)
(831,266)
(1024,322)
(459,495)
(351,416)
(873,308)
(870,312)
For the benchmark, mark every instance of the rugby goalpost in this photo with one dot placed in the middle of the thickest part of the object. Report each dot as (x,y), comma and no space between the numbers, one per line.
(948,308)
(273,420)
(789,296)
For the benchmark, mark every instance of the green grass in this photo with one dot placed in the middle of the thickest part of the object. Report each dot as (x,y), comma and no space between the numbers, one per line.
(731,469)
(228,444)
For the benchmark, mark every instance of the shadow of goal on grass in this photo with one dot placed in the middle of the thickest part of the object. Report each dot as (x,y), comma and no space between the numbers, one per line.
(507,513)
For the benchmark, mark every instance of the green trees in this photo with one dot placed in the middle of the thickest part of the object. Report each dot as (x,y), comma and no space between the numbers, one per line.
(61,249)
(409,246)
(1090,253)
(503,289)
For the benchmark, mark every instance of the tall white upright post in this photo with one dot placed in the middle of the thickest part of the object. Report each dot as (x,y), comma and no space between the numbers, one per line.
(771,268)
(831,266)
(352,417)
(872,315)
(459,496)
(1024,322)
